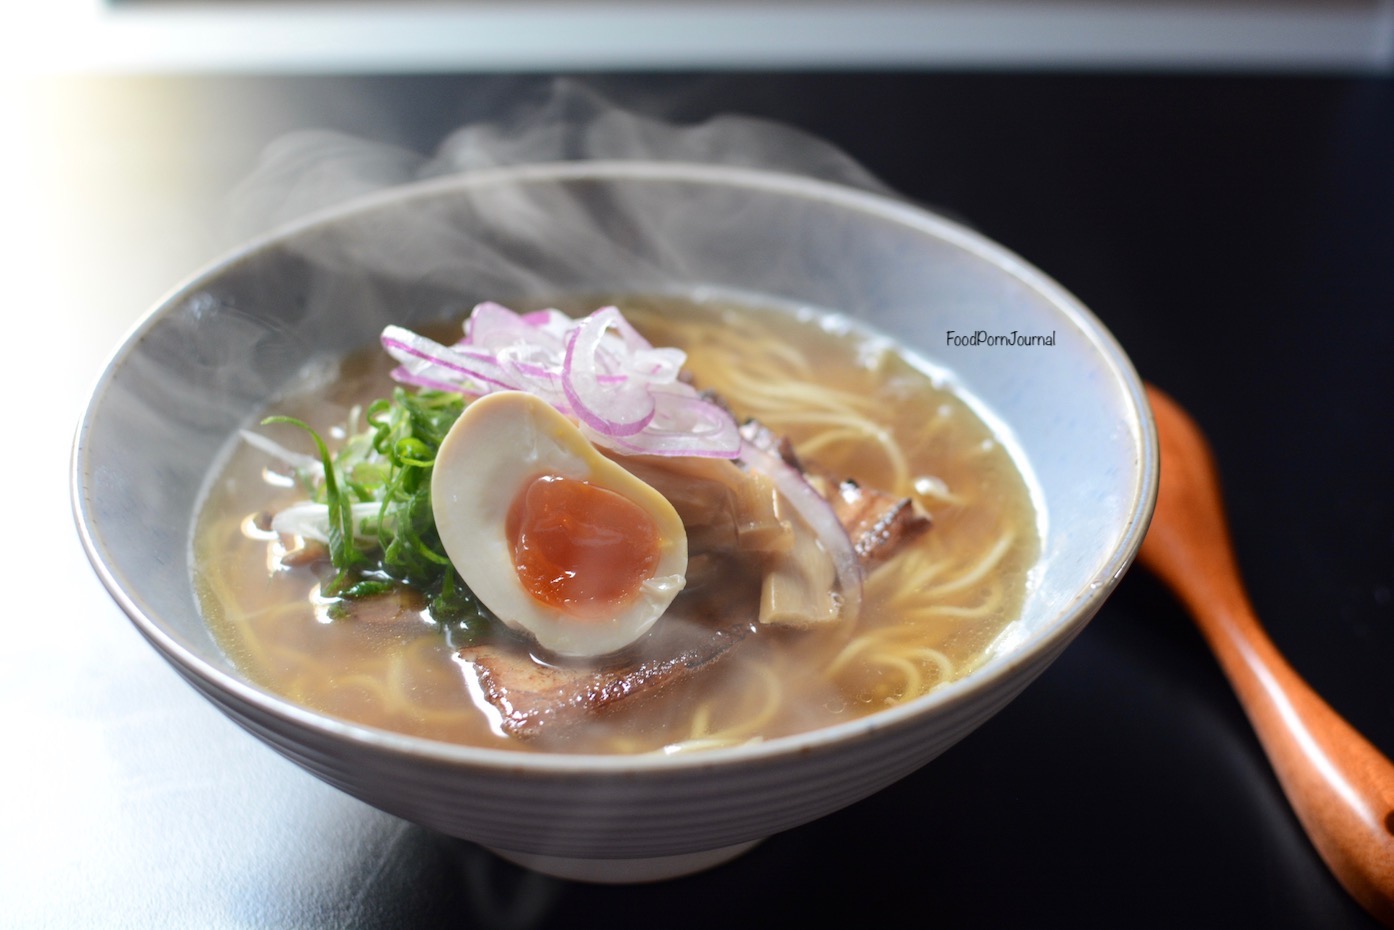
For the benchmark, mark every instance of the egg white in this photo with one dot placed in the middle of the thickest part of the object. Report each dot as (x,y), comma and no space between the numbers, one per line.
(500,444)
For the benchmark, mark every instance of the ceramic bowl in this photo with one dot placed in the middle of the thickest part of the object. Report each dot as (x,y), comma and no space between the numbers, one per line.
(211,356)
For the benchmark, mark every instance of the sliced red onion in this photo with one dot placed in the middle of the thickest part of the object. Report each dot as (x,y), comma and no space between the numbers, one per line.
(685,424)
(493,327)
(402,375)
(476,372)
(603,395)
(818,513)
(598,370)
(530,368)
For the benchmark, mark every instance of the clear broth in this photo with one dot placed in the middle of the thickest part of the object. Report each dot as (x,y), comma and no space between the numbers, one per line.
(850,403)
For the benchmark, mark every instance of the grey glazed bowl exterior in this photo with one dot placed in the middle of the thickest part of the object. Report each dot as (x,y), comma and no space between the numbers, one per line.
(210,357)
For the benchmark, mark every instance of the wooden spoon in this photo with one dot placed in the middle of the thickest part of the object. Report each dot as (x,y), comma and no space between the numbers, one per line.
(1340,786)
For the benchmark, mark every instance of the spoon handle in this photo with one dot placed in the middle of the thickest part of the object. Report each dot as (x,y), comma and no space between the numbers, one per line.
(1340,786)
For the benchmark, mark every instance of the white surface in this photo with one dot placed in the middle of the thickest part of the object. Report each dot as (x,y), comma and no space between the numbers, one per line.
(90,35)
(108,743)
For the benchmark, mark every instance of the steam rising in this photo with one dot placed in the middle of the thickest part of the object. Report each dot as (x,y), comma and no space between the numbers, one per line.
(309,171)
(457,236)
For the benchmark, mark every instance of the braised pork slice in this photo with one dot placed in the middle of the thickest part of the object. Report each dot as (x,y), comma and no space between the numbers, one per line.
(878,523)
(532,698)
(716,612)
(725,511)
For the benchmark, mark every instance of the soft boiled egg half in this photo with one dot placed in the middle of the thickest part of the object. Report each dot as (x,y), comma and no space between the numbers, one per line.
(556,539)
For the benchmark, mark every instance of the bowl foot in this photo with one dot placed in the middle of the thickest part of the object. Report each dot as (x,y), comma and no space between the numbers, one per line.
(625,871)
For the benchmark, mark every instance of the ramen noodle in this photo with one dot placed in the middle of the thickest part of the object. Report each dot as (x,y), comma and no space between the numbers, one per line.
(825,398)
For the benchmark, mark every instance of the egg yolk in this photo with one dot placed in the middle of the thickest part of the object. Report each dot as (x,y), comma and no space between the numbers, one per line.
(581,548)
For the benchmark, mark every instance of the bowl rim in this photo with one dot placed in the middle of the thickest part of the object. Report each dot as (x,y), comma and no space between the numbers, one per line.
(1071,618)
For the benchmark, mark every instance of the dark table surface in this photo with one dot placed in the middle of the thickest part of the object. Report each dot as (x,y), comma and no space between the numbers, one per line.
(1235,232)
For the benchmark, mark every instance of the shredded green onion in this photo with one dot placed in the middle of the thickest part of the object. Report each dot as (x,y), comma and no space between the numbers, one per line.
(389,463)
